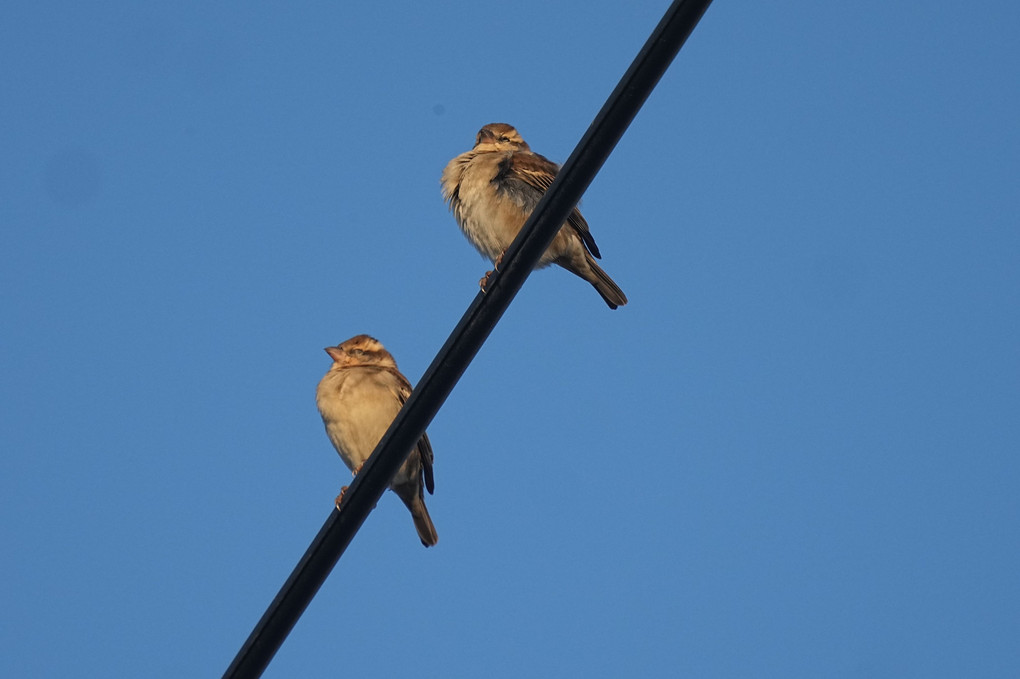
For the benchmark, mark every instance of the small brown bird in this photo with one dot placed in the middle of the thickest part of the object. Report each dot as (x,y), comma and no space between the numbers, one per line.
(492,190)
(358,399)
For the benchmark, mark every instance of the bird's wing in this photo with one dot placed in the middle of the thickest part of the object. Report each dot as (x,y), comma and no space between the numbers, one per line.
(402,390)
(538,172)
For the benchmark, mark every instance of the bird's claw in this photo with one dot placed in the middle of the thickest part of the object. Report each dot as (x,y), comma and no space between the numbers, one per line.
(340,497)
(495,267)
(484,280)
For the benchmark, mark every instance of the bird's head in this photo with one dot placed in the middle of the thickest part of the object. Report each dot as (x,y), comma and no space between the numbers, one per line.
(360,350)
(499,137)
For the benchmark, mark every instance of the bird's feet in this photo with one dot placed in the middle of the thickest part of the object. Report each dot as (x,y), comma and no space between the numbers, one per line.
(484,282)
(340,497)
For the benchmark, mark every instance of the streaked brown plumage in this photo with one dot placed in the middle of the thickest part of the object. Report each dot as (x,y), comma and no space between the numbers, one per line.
(358,399)
(493,189)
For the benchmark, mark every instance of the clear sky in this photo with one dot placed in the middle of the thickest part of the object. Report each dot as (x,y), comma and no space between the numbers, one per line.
(795,453)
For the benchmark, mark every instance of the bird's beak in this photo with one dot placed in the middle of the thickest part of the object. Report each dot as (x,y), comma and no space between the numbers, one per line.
(485,136)
(334,353)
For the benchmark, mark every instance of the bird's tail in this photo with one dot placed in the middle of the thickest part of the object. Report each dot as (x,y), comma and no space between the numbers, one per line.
(423,524)
(415,502)
(605,285)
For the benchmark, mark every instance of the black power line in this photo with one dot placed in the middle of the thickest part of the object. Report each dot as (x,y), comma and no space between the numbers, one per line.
(467,338)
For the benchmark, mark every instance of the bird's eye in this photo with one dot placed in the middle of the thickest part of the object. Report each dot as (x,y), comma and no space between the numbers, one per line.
(504,139)
(358,352)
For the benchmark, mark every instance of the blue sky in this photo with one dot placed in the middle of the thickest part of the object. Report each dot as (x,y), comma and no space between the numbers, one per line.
(794,453)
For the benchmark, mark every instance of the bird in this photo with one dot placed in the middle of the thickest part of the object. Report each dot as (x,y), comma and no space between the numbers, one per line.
(493,189)
(358,398)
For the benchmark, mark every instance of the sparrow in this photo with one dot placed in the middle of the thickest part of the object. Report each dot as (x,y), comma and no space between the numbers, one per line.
(358,399)
(492,190)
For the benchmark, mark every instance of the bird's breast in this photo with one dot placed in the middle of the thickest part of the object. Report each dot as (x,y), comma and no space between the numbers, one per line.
(356,409)
(487,217)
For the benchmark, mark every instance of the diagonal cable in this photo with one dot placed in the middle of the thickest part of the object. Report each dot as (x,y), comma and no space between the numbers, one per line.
(467,338)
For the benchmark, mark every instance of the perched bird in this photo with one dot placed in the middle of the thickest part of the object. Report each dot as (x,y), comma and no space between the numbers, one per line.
(492,190)
(358,399)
